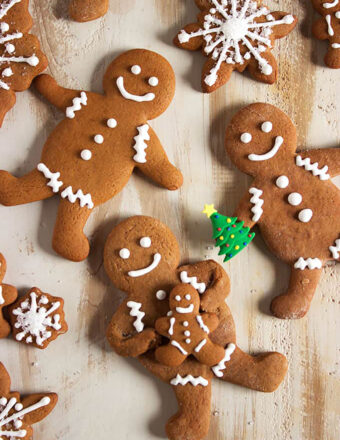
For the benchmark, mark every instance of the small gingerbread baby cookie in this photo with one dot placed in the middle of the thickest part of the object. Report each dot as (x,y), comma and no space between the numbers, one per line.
(87,10)
(8,294)
(18,414)
(91,154)
(188,330)
(21,58)
(37,318)
(328,28)
(235,35)
(291,198)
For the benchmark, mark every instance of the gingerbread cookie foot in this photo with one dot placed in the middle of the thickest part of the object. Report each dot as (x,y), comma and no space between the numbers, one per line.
(88,10)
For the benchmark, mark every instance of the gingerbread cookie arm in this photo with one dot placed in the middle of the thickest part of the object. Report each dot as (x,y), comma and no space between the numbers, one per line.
(162,326)
(320,30)
(210,320)
(325,157)
(8,294)
(249,208)
(45,403)
(123,337)
(152,160)
(55,94)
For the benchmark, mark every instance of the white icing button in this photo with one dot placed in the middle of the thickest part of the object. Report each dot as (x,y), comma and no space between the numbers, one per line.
(187,333)
(185,323)
(161,294)
(246,138)
(19,406)
(111,123)
(136,70)
(267,127)
(10,47)
(305,215)
(337,14)
(294,199)
(99,139)
(4,27)
(169,313)
(177,298)
(153,81)
(187,341)
(282,182)
(145,242)
(188,297)
(124,253)
(86,154)
(7,72)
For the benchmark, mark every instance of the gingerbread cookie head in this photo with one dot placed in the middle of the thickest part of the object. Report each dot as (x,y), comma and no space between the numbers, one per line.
(138,252)
(185,300)
(143,80)
(17,414)
(325,7)
(259,138)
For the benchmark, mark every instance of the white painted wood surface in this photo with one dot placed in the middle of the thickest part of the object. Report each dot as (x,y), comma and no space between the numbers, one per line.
(100,394)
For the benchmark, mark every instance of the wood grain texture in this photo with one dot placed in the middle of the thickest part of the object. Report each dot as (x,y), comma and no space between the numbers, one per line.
(100,394)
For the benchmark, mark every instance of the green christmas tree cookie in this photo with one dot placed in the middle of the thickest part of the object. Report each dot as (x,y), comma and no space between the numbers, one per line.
(230,235)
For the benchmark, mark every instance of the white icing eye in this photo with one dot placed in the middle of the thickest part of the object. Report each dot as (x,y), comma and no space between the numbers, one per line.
(111,123)
(294,199)
(153,81)
(161,294)
(246,138)
(267,127)
(136,70)
(282,182)
(124,253)
(177,298)
(305,215)
(99,139)
(145,242)
(86,154)
(188,297)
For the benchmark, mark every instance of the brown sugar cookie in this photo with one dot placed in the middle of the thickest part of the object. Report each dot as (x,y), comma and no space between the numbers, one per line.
(291,198)
(21,58)
(87,10)
(91,154)
(188,330)
(141,257)
(8,294)
(235,35)
(328,28)
(37,318)
(18,414)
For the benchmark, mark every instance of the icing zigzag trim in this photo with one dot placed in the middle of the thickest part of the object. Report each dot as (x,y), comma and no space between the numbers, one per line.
(200,287)
(217,369)
(257,202)
(179,380)
(313,167)
(335,249)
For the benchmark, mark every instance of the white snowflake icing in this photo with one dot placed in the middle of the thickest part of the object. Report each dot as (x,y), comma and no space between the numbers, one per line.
(34,319)
(232,24)
(10,425)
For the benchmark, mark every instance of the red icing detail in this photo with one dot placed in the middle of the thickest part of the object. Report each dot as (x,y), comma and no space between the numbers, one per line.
(219,229)
(234,226)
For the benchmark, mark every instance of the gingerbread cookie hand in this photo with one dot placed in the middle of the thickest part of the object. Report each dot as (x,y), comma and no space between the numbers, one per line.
(87,10)
(8,294)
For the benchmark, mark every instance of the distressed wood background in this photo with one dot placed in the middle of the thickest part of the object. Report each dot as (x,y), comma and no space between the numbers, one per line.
(100,394)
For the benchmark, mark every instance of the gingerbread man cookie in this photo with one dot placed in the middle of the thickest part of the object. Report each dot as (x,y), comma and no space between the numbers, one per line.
(142,257)
(8,294)
(17,414)
(37,318)
(87,10)
(188,330)
(21,58)
(328,28)
(291,198)
(91,154)
(235,35)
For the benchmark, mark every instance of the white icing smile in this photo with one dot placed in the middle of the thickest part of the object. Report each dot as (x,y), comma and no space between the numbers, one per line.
(188,309)
(271,153)
(127,95)
(140,272)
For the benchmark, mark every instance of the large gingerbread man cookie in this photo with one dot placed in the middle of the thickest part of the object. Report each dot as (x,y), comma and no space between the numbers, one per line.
(21,58)
(328,28)
(235,35)
(8,294)
(291,198)
(142,258)
(91,154)
(87,10)
(17,415)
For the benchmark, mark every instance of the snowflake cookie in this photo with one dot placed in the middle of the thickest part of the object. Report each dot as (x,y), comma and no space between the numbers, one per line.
(17,414)
(8,294)
(87,10)
(21,58)
(328,28)
(235,35)
(37,318)
(292,199)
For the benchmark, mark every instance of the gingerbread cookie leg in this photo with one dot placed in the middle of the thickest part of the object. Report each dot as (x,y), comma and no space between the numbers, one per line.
(87,10)
(69,240)
(261,373)
(29,188)
(296,301)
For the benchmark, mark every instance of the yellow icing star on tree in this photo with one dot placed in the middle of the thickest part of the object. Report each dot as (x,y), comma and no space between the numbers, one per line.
(209,210)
